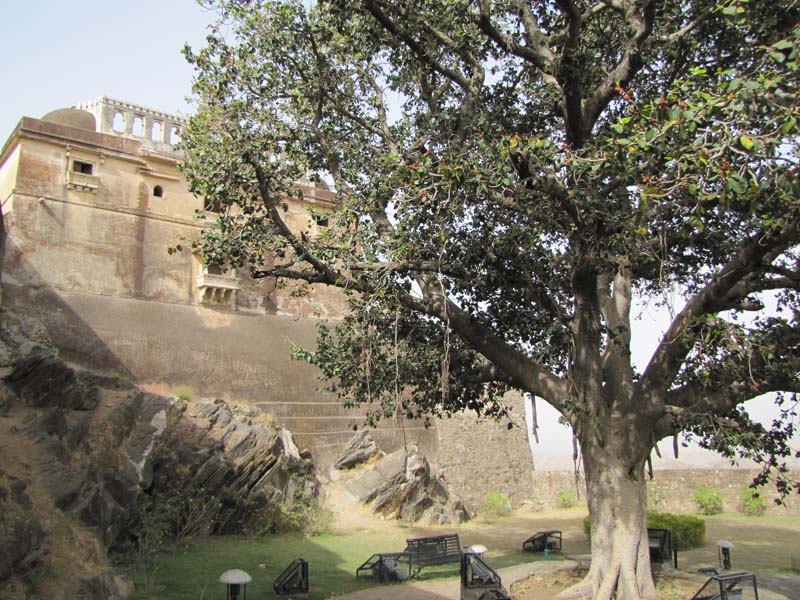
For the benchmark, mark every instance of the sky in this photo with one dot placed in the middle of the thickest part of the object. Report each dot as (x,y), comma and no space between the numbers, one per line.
(58,53)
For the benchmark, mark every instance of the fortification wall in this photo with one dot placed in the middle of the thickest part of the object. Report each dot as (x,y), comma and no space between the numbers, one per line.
(480,456)
(204,352)
(671,490)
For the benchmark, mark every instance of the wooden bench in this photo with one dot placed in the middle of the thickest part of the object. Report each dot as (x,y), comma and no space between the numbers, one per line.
(434,550)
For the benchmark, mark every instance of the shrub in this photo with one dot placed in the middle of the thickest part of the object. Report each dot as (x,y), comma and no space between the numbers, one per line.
(751,502)
(566,499)
(183,392)
(708,500)
(496,504)
(687,531)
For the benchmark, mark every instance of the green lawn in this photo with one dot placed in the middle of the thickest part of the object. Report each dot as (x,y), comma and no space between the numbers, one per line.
(191,573)
(762,543)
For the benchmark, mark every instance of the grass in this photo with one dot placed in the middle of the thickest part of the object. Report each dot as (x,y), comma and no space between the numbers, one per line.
(192,572)
(765,543)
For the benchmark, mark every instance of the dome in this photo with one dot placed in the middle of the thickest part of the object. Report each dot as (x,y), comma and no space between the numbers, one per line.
(72,117)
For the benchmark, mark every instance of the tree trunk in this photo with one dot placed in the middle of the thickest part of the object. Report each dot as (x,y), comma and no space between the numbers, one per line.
(617,494)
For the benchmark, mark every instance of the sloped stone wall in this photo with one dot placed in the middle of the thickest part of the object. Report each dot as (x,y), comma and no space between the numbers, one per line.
(479,456)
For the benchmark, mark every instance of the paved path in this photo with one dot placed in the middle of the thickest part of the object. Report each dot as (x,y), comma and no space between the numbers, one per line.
(450,589)
(786,585)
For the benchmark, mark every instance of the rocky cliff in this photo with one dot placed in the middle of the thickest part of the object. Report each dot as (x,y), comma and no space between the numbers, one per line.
(90,464)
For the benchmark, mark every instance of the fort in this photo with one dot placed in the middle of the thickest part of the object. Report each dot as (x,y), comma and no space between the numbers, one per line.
(92,198)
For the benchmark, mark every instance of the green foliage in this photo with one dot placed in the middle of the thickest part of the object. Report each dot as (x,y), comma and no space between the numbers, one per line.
(496,504)
(566,499)
(687,531)
(307,514)
(708,500)
(183,392)
(751,502)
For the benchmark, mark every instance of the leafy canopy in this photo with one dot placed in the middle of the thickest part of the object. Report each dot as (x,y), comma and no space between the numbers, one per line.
(510,177)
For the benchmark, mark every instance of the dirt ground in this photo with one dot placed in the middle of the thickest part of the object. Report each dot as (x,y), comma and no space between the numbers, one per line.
(546,587)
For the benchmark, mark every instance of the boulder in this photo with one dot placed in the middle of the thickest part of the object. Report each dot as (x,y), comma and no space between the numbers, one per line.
(401,486)
(359,449)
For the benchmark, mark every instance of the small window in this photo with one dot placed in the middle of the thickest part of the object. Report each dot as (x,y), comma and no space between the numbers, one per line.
(82,167)
(321,220)
(174,136)
(158,191)
(138,127)
(215,206)
(285,207)
(214,270)
(119,122)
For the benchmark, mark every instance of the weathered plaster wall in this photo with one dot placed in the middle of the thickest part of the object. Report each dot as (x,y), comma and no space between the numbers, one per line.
(482,455)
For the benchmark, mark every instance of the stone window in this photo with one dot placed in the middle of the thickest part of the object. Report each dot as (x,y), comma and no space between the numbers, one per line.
(118,124)
(81,176)
(174,136)
(158,191)
(214,207)
(321,220)
(157,132)
(80,166)
(138,126)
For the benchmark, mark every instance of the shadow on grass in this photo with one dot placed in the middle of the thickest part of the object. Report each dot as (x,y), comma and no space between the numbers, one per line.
(191,573)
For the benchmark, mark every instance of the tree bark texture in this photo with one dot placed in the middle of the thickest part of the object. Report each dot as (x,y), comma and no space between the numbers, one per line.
(617,495)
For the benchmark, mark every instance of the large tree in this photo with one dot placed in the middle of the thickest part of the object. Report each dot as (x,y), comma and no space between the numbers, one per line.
(514,177)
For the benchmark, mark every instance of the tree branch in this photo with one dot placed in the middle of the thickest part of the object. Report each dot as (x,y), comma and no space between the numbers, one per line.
(716,296)
(629,65)
(424,55)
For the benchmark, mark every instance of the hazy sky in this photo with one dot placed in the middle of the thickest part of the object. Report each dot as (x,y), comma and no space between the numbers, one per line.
(58,53)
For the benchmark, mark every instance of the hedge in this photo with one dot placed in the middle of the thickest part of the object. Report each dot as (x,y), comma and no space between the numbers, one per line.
(687,531)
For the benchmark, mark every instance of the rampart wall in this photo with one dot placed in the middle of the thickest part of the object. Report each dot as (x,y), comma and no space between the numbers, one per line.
(482,455)
(671,490)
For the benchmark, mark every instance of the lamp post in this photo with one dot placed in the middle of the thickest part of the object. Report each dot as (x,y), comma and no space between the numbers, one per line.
(724,553)
(237,581)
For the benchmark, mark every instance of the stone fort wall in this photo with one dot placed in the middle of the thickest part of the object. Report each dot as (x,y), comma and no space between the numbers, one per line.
(480,456)
(671,490)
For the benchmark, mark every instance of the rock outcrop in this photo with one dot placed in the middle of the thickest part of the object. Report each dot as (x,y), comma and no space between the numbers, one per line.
(101,454)
(401,486)
(359,450)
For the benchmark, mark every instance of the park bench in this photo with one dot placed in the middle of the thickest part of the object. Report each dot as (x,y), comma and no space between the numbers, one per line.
(479,581)
(434,550)
(419,552)
(730,586)
(660,542)
(293,580)
(544,540)
(387,567)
